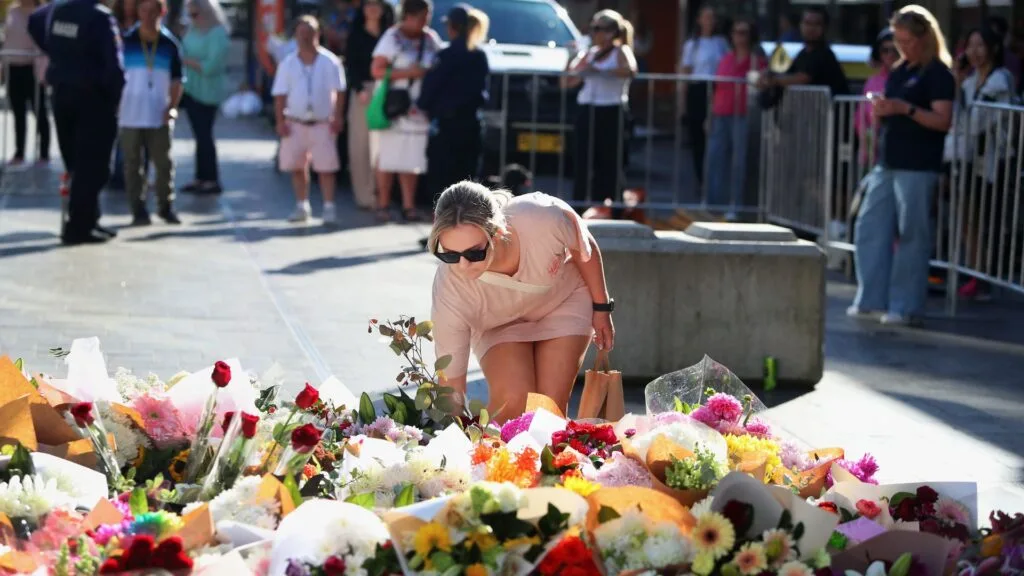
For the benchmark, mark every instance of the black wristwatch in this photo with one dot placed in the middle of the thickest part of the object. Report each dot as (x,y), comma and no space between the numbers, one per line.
(911,111)
(609,307)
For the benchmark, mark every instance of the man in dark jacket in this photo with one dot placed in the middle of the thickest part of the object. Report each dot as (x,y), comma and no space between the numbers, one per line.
(87,75)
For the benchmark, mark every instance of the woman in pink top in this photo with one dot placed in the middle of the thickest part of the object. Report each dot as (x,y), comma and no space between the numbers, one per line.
(727,148)
(522,286)
(883,56)
(25,88)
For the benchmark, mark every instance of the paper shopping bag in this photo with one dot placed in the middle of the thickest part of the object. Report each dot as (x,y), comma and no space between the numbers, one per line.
(602,392)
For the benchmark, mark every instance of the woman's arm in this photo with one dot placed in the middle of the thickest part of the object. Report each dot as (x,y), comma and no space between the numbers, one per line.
(626,62)
(591,267)
(939,118)
(574,65)
(380,67)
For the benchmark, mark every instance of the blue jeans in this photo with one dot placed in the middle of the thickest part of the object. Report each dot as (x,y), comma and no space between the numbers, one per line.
(727,160)
(896,206)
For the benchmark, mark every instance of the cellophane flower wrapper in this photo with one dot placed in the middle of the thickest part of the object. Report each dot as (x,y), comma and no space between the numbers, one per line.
(96,432)
(292,461)
(232,455)
(200,454)
(689,385)
(88,379)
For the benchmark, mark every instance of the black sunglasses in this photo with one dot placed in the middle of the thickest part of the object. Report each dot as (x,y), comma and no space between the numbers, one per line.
(473,255)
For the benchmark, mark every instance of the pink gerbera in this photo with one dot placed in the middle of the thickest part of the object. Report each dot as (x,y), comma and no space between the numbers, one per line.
(725,407)
(161,419)
(951,510)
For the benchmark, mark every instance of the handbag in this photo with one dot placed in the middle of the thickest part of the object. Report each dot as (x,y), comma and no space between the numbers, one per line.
(602,392)
(376,119)
(398,101)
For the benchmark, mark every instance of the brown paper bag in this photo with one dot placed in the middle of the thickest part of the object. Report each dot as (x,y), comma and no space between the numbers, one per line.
(602,392)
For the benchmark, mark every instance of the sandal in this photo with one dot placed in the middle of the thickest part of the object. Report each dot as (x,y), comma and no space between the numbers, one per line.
(383,215)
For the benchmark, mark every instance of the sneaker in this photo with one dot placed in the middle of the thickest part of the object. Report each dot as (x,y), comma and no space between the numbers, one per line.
(330,216)
(301,214)
(890,319)
(141,218)
(168,216)
(855,312)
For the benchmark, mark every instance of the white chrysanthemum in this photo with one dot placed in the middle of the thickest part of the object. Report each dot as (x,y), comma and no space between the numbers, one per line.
(31,497)
(703,507)
(509,497)
(239,504)
(127,438)
(665,546)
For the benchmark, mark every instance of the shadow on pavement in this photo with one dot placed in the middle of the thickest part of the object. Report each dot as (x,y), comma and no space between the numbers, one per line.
(331,262)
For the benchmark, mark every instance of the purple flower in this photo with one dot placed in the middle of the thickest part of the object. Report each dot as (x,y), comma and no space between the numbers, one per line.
(793,458)
(380,427)
(516,426)
(725,407)
(666,418)
(620,470)
(296,568)
(759,428)
(863,469)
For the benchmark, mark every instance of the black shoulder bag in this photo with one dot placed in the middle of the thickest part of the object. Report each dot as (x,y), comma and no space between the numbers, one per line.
(398,101)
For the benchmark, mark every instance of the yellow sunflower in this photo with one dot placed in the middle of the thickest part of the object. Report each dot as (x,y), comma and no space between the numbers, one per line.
(177,467)
(714,534)
(430,537)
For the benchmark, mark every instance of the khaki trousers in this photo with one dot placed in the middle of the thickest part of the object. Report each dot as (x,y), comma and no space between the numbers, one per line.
(362,152)
(158,142)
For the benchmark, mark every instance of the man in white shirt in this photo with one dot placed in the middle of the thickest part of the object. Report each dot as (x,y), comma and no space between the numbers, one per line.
(309,100)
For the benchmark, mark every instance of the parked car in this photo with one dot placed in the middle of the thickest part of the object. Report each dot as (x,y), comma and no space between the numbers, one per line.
(530,44)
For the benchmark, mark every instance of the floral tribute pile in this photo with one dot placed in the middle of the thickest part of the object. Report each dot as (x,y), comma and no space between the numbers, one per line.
(218,472)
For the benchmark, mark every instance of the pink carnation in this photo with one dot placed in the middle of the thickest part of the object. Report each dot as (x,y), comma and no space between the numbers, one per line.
(759,428)
(620,470)
(516,426)
(162,421)
(863,469)
(725,407)
(705,416)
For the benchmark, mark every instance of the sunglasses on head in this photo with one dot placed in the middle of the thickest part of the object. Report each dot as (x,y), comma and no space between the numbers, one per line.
(603,28)
(451,257)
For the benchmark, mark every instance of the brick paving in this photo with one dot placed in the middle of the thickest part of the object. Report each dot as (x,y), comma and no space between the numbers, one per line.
(235,280)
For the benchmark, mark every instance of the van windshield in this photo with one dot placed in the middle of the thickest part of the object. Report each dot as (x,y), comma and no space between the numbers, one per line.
(514,22)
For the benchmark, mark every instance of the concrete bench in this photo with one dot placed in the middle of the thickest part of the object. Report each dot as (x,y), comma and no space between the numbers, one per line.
(737,292)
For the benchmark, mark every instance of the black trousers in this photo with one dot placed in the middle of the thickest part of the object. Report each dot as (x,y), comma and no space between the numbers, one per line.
(86,127)
(202,117)
(26,94)
(599,153)
(457,147)
(696,115)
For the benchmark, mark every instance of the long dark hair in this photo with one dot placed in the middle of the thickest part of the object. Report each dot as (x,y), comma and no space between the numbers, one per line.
(387,17)
(755,35)
(993,45)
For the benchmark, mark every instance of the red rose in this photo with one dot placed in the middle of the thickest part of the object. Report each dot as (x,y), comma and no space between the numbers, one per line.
(82,413)
(305,438)
(905,510)
(926,495)
(307,397)
(829,507)
(335,565)
(605,434)
(139,553)
(111,566)
(227,421)
(868,509)
(930,526)
(740,514)
(221,375)
(170,555)
(249,423)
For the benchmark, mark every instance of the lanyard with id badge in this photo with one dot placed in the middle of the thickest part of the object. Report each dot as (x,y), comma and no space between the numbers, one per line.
(309,72)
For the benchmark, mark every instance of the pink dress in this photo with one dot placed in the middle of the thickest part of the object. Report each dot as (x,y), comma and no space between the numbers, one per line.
(546,298)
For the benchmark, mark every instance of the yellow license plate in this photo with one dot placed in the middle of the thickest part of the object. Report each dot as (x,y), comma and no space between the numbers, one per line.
(543,143)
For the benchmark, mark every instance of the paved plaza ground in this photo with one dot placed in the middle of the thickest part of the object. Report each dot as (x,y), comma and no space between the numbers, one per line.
(945,403)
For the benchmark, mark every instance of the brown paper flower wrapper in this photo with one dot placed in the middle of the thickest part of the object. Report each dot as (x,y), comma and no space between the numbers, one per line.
(659,454)
(272,489)
(811,482)
(18,562)
(198,528)
(654,504)
(101,514)
(929,549)
(49,427)
(535,401)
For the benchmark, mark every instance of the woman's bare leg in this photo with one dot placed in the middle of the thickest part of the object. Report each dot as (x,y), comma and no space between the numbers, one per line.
(557,362)
(509,370)
(408,184)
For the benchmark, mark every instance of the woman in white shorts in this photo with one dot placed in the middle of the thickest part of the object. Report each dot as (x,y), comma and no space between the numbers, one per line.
(408,48)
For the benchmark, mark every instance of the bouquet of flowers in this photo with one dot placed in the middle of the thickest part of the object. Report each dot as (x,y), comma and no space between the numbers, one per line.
(322,536)
(999,551)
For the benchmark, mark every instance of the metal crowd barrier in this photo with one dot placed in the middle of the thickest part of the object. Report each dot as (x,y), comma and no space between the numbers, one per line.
(26,179)
(533,121)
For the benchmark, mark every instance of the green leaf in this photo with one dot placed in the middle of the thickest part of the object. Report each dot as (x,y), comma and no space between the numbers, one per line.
(798,531)
(385,331)
(485,417)
(390,402)
(396,348)
(423,399)
(424,328)
(553,522)
(401,415)
(547,461)
(901,567)
(442,362)
(366,500)
(267,397)
(900,497)
(606,514)
(20,464)
(407,496)
(138,502)
(293,488)
(443,562)
(677,404)
(367,413)
(19,364)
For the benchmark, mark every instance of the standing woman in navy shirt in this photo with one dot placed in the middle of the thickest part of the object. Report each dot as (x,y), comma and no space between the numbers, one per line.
(915,114)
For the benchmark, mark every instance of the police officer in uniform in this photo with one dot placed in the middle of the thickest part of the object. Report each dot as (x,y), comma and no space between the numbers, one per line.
(87,75)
